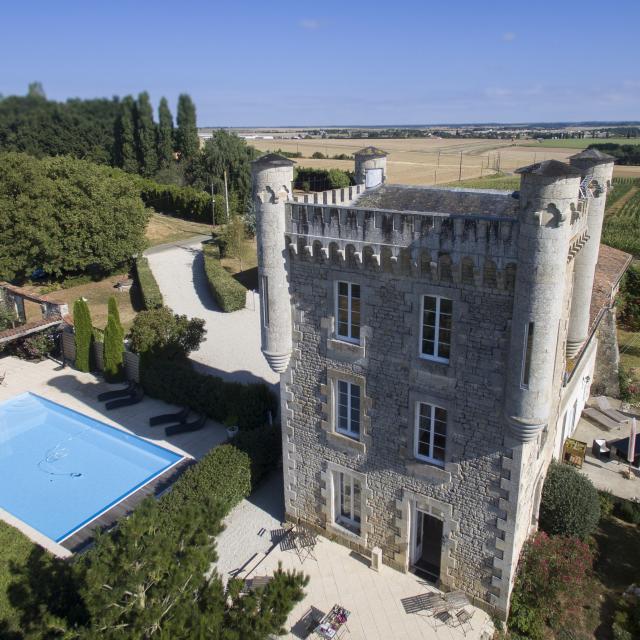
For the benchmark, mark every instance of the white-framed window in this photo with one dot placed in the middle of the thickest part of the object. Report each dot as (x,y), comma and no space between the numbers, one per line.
(347,408)
(347,501)
(528,350)
(348,311)
(430,437)
(264,300)
(435,328)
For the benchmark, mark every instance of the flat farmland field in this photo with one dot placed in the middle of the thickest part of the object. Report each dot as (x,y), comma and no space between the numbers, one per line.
(427,160)
(579,143)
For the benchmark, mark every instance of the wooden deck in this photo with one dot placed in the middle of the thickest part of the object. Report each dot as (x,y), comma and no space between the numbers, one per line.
(84,536)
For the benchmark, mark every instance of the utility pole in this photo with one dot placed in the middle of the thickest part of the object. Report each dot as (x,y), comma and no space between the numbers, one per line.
(213,207)
(460,170)
(226,193)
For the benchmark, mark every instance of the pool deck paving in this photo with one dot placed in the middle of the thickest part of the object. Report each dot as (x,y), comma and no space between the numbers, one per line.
(337,576)
(79,391)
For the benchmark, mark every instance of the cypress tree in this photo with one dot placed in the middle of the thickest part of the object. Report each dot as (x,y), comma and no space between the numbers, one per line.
(113,344)
(83,330)
(145,136)
(125,143)
(165,135)
(187,143)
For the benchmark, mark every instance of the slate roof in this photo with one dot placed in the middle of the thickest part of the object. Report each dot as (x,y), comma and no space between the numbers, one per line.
(612,263)
(274,160)
(593,154)
(550,169)
(400,197)
(372,152)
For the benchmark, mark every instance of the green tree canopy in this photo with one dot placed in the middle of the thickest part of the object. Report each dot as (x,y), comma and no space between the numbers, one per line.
(224,152)
(83,333)
(187,143)
(125,137)
(145,136)
(165,135)
(65,216)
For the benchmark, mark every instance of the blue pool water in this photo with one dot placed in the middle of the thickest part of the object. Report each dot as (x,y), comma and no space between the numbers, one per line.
(59,469)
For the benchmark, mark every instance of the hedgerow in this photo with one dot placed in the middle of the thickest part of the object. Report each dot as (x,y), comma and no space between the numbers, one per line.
(228,292)
(149,289)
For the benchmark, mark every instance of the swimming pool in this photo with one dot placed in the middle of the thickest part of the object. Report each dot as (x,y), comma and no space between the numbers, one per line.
(60,469)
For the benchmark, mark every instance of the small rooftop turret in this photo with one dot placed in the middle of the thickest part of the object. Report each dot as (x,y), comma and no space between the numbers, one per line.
(371,166)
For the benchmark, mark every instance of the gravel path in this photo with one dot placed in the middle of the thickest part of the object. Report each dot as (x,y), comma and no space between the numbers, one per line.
(231,348)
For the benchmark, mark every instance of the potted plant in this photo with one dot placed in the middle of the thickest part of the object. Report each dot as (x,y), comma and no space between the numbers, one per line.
(232,426)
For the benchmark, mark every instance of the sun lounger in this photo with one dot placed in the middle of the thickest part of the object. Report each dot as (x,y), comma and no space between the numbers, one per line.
(185,427)
(118,393)
(179,417)
(134,397)
(601,419)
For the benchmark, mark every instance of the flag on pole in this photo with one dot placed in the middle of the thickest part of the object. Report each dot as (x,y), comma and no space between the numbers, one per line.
(632,442)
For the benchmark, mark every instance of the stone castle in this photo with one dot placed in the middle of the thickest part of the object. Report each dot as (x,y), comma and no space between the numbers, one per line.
(436,347)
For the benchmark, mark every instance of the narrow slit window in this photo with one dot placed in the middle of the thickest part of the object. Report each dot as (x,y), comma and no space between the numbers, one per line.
(264,300)
(528,349)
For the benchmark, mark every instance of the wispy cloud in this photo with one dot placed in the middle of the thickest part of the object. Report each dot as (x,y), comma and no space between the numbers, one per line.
(509,36)
(310,24)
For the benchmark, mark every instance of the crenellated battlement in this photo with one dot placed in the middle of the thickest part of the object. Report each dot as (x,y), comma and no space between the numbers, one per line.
(344,196)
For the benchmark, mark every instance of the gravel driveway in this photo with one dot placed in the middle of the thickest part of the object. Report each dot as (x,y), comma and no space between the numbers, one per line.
(231,348)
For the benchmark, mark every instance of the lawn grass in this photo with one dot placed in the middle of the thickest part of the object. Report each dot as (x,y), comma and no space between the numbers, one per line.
(97,295)
(578,143)
(163,229)
(629,347)
(14,549)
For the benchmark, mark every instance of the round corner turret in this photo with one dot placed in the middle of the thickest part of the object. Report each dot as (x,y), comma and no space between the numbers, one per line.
(370,166)
(548,195)
(272,177)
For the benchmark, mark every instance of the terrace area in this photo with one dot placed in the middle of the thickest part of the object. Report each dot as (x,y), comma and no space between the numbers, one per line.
(249,548)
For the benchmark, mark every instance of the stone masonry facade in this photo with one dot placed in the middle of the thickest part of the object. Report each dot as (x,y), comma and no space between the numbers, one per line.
(505,265)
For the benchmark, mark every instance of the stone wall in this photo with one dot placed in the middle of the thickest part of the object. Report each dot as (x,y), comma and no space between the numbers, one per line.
(466,494)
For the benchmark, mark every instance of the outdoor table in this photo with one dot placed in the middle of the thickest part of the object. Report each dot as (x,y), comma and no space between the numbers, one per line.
(333,623)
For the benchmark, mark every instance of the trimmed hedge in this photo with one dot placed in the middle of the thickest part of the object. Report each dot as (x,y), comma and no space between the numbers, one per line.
(184,202)
(223,474)
(227,291)
(264,447)
(570,504)
(175,382)
(149,289)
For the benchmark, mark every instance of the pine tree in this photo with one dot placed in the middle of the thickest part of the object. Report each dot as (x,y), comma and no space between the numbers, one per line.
(165,135)
(145,136)
(187,143)
(83,334)
(113,344)
(125,143)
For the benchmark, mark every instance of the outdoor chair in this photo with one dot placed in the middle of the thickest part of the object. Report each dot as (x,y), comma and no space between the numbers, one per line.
(305,542)
(180,417)
(464,618)
(443,617)
(429,602)
(117,393)
(134,397)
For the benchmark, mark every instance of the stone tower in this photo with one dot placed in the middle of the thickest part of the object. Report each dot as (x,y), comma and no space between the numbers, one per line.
(596,169)
(370,166)
(548,198)
(272,176)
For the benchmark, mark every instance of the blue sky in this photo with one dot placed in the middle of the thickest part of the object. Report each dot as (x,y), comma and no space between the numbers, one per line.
(278,62)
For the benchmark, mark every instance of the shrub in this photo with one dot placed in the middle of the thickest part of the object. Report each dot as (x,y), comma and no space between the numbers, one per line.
(318,155)
(321,179)
(113,344)
(570,504)
(606,503)
(627,510)
(264,448)
(161,332)
(551,572)
(224,474)
(626,619)
(149,289)
(227,291)
(83,331)
(37,346)
(176,382)
(184,202)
